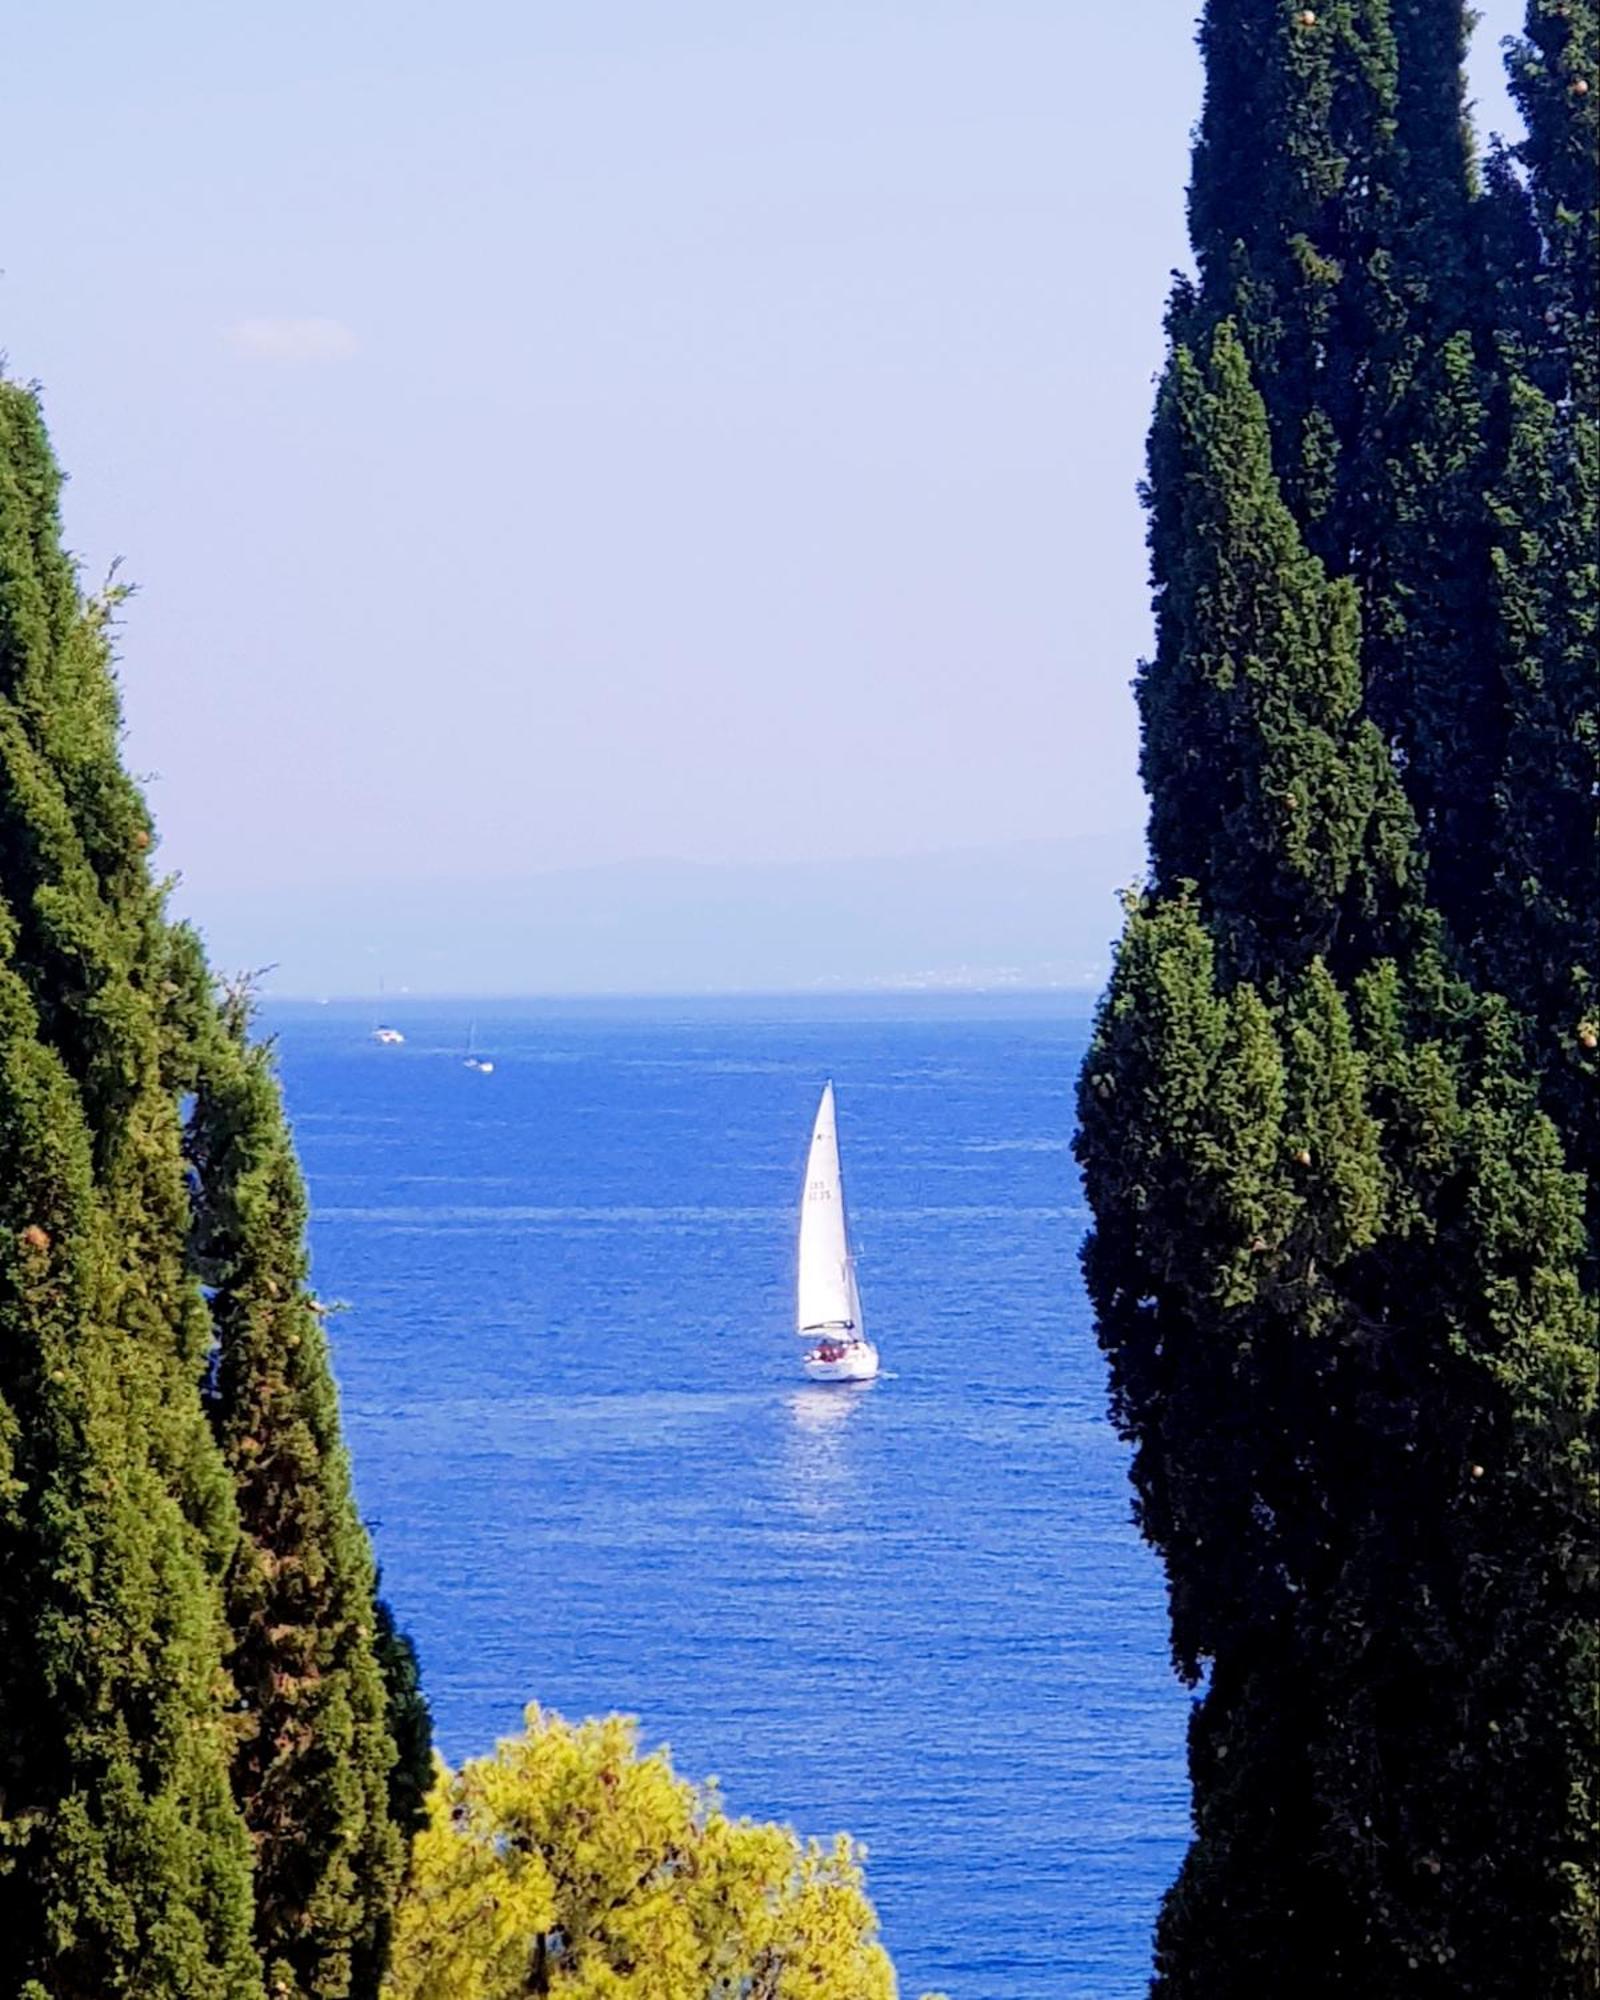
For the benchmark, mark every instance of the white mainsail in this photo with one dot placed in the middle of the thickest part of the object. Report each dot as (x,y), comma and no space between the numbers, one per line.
(827,1298)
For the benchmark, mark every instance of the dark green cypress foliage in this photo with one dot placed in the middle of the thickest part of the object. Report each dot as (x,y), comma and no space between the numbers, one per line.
(1555,77)
(1334,220)
(1355,1450)
(1335,1267)
(1268,786)
(315,1772)
(1281,240)
(1540,941)
(1332,167)
(126,1866)
(1415,534)
(410,1724)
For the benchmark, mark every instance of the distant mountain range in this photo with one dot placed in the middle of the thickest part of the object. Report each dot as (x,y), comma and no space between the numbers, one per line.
(1039,914)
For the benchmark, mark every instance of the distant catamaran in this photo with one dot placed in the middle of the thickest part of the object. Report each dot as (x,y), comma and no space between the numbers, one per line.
(828,1305)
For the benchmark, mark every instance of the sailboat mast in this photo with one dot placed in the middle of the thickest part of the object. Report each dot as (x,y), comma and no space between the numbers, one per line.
(826,1297)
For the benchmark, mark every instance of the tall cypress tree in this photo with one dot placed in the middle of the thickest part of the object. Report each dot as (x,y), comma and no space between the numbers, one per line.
(126,1867)
(199,1697)
(1337,1246)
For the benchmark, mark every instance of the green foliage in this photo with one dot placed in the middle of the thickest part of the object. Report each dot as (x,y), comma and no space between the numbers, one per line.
(1335,221)
(314,1771)
(1539,941)
(1555,78)
(1268,786)
(124,1868)
(1335,1269)
(197,1758)
(1338,1117)
(1332,173)
(569,1864)
(410,1723)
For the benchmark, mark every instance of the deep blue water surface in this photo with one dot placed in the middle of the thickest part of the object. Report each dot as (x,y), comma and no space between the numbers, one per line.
(917,1611)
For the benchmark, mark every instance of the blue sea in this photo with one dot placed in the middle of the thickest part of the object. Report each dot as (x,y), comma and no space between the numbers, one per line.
(917,1611)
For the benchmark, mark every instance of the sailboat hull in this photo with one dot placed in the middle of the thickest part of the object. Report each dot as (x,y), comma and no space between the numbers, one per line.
(857,1362)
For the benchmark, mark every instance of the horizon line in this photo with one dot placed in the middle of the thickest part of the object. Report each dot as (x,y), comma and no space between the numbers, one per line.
(407,997)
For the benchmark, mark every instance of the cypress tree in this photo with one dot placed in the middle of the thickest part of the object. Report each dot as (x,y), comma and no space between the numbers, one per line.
(199,1695)
(1337,1246)
(323,1679)
(126,1865)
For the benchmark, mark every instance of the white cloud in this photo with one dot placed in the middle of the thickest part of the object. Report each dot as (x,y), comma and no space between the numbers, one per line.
(293,340)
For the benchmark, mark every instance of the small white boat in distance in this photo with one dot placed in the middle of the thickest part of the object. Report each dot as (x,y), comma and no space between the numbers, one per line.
(828,1305)
(390,1037)
(482,1064)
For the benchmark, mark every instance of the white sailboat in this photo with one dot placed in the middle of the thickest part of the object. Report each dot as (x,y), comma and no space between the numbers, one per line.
(827,1304)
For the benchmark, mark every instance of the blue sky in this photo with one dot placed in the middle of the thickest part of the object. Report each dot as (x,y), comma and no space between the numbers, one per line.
(546,436)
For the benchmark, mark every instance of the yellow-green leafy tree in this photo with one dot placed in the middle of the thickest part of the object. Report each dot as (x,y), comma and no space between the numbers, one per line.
(569,1864)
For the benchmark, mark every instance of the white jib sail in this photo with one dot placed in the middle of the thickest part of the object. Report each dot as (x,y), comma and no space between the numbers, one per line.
(827,1298)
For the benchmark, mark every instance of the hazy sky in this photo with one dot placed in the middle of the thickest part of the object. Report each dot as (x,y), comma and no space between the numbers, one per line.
(560,434)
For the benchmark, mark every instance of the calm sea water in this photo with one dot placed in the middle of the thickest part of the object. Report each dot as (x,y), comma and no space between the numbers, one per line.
(917,1611)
